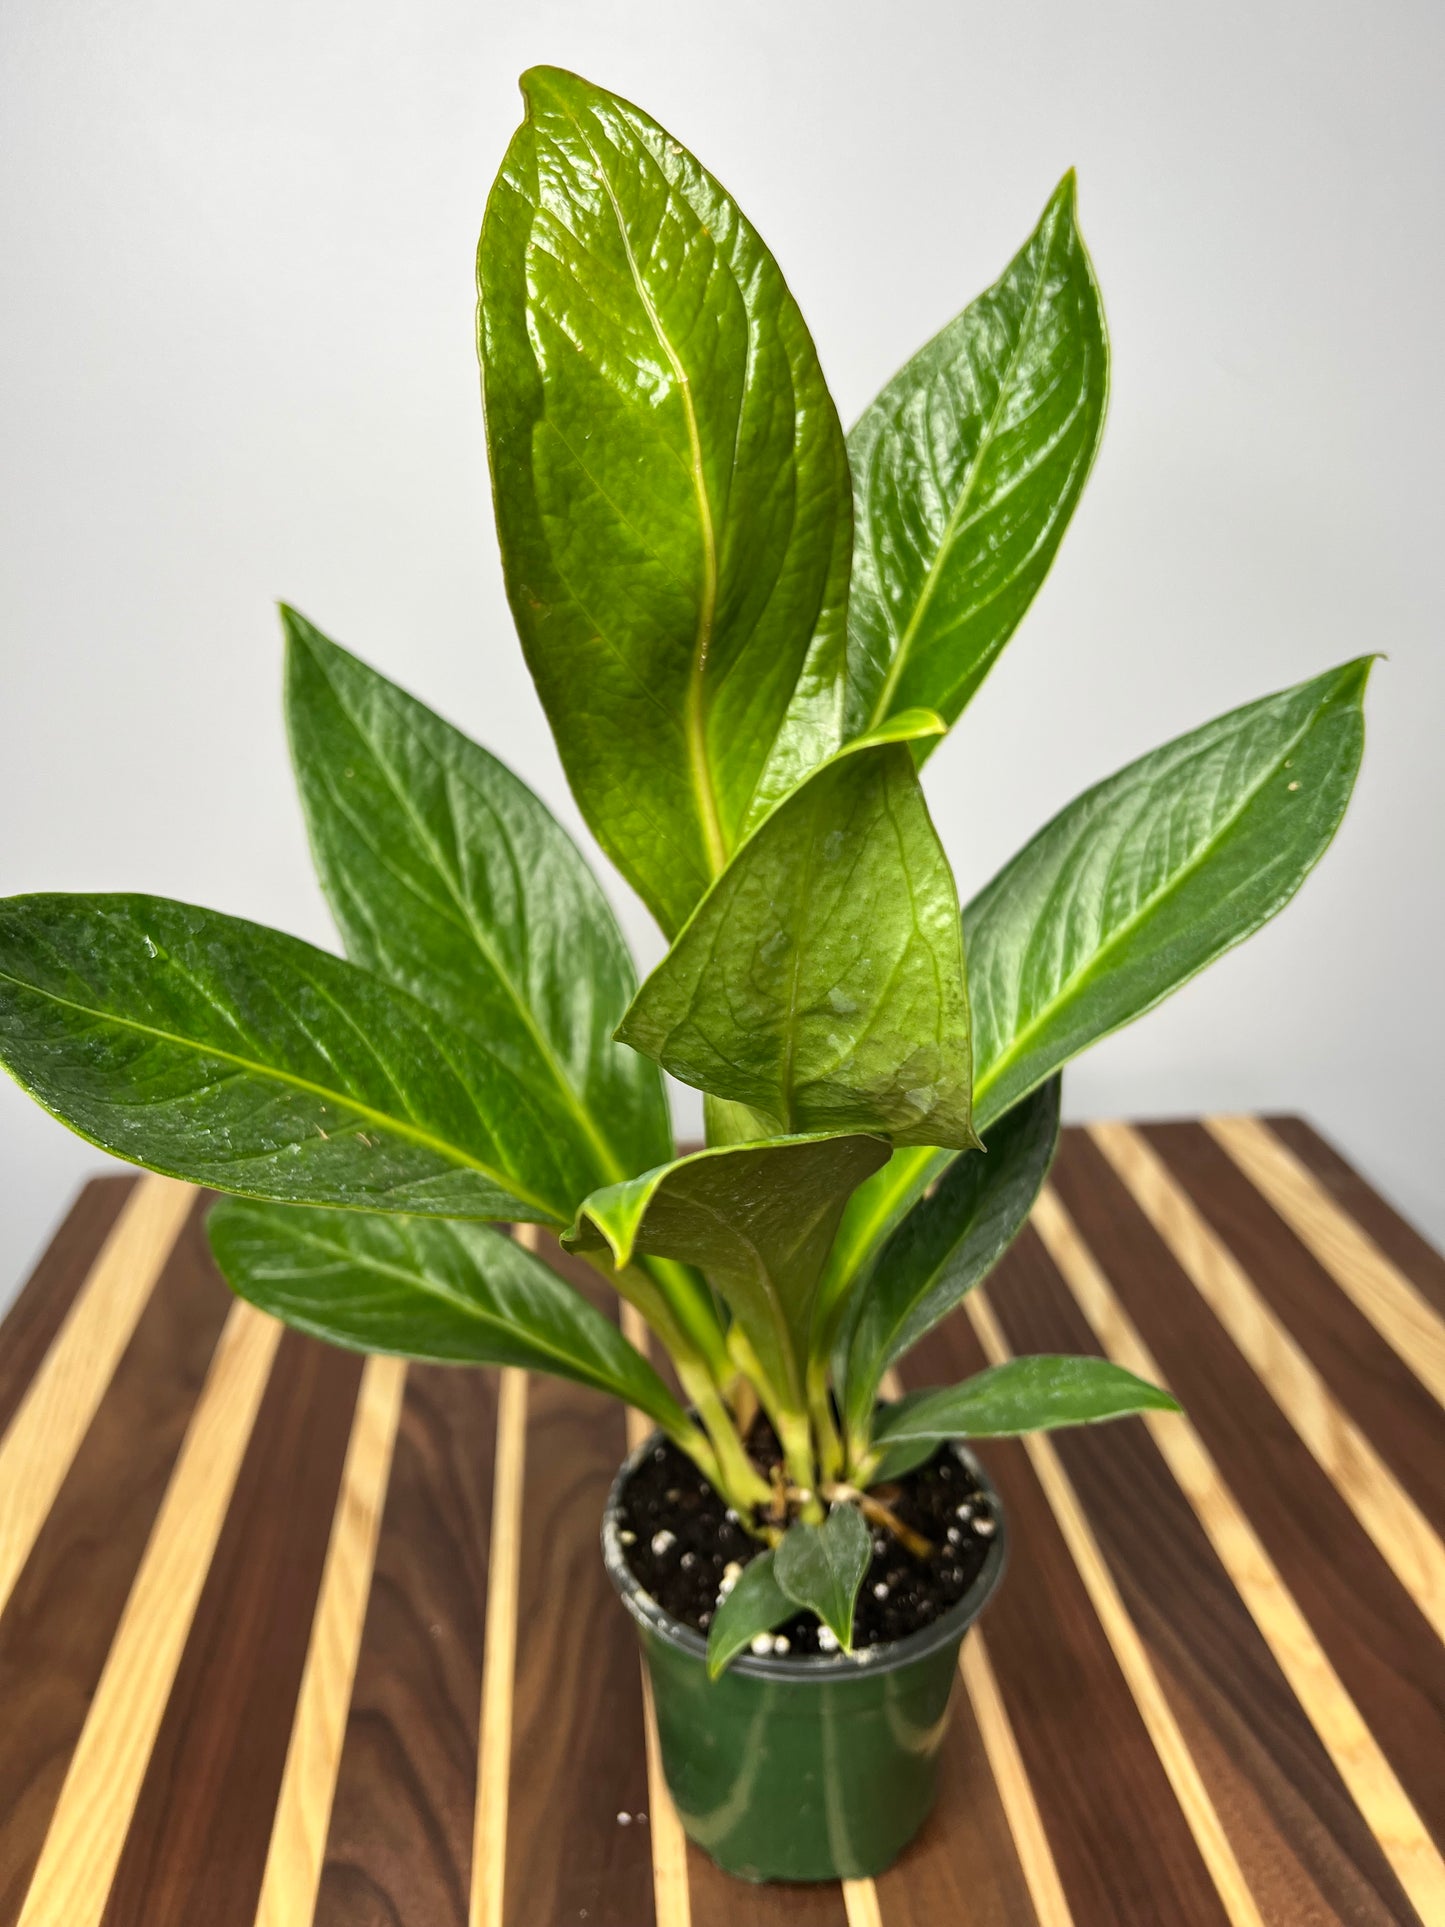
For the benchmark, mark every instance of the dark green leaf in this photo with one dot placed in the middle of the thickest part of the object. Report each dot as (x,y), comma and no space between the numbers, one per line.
(227,1054)
(966,470)
(449,877)
(756,1604)
(757,1218)
(1036,1394)
(452,1293)
(822,1567)
(820,981)
(671,480)
(948,1243)
(1151,875)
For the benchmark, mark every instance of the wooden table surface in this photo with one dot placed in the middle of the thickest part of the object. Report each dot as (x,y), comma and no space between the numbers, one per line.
(286,1636)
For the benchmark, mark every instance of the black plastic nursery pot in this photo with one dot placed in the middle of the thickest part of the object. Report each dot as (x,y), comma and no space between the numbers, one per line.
(817,1767)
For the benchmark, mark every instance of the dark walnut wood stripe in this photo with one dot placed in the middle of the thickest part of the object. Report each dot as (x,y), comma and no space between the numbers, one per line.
(398,1853)
(715,1902)
(1123,1849)
(197,1843)
(577,1724)
(1368,1379)
(1369,1627)
(1421,1263)
(57,1629)
(38,1313)
(1302,1846)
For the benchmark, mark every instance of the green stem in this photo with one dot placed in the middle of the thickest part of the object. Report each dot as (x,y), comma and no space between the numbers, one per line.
(736,1478)
(825,1430)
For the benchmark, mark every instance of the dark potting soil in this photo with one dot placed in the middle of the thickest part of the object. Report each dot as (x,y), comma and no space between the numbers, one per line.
(679,1540)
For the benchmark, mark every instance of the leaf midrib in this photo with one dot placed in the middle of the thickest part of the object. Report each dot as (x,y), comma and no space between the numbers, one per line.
(402,1128)
(694,721)
(1079,983)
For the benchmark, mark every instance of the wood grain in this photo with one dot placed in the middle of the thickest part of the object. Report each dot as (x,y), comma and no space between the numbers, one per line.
(1400,1531)
(1120,1843)
(1243,1691)
(39,1310)
(1363,1374)
(1195,1801)
(313,1757)
(197,1842)
(1421,1263)
(1378,1289)
(57,1630)
(87,1834)
(61,1399)
(578,1759)
(1368,1627)
(399,1850)
(494,1756)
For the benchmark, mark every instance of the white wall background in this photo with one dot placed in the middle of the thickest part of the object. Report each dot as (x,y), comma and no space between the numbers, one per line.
(236,363)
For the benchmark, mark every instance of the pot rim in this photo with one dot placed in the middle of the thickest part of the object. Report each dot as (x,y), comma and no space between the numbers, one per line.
(816,1668)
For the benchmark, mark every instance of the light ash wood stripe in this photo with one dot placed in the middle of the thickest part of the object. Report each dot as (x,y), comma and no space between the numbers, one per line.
(45,1434)
(1128,1648)
(82,1849)
(671,1896)
(1382,1801)
(1015,1792)
(1403,1317)
(860,1904)
(1400,1531)
(313,1758)
(499,1656)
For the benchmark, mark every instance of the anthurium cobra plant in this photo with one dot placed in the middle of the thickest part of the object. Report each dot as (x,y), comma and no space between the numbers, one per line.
(749,633)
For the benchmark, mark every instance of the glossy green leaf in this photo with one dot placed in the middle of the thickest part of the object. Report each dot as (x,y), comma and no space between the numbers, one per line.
(821,980)
(670,477)
(448,1292)
(822,1567)
(757,1218)
(222,1052)
(449,877)
(1146,878)
(947,1244)
(1034,1394)
(756,1604)
(966,470)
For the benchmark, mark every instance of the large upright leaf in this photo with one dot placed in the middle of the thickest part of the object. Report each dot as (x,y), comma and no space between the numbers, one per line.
(671,481)
(948,1243)
(757,1218)
(1039,1393)
(456,1294)
(225,1053)
(449,877)
(820,981)
(1146,878)
(966,470)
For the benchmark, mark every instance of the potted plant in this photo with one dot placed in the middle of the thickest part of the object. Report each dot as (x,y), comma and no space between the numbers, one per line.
(749,635)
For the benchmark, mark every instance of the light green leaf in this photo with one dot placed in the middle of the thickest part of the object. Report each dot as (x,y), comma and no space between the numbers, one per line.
(671,480)
(1034,1394)
(757,1218)
(822,1567)
(756,1604)
(1154,873)
(966,470)
(447,1292)
(947,1244)
(222,1052)
(821,981)
(447,876)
